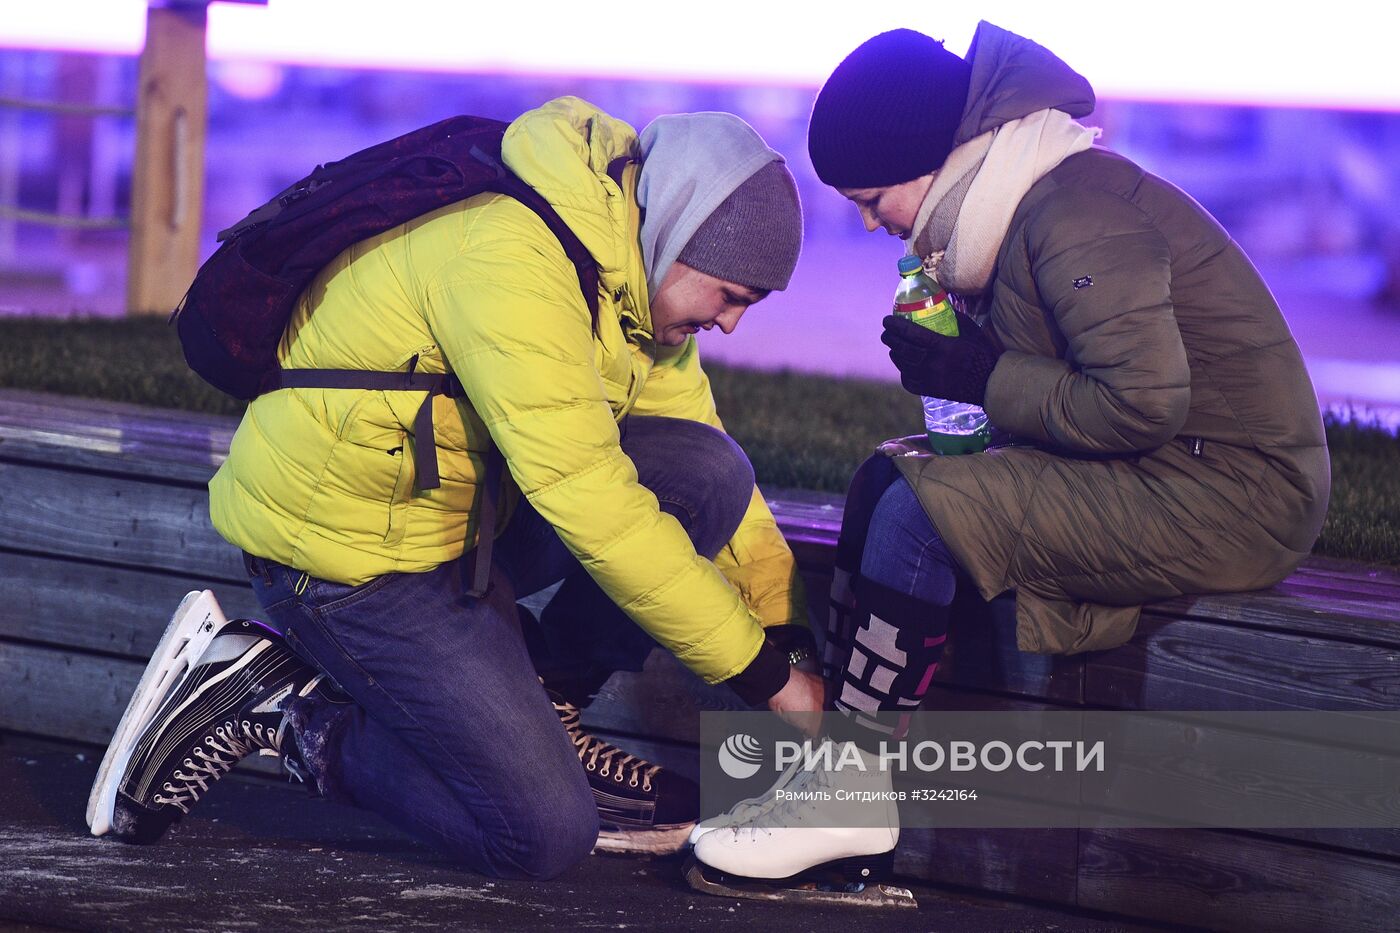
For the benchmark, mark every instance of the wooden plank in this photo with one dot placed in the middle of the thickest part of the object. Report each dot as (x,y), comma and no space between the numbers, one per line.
(1384,842)
(119,611)
(82,456)
(200,440)
(79,413)
(1232,773)
(1363,582)
(73,696)
(1227,881)
(1346,572)
(112,520)
(1324,597)
(1376,842)
(125,440)
(1041,864)
(1291,608)
(168,172)
(64,694)
(815,517)
(1197,666)
(1033,863)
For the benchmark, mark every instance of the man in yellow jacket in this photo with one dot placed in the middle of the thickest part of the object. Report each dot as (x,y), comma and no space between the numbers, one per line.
(385,683)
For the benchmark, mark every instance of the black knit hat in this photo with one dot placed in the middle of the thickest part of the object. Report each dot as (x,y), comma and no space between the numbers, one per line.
(888,112)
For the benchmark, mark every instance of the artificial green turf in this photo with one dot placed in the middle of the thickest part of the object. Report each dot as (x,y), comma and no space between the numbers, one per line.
(1363,515)
(801,431)
(136,360)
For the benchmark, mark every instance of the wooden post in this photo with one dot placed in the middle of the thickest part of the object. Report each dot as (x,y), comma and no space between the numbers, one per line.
(167,195)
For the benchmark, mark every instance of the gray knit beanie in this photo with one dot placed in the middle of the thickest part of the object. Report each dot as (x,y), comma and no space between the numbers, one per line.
(713,171)
(753,238)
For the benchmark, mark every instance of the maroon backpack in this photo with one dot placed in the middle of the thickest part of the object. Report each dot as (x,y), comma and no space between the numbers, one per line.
(232,318)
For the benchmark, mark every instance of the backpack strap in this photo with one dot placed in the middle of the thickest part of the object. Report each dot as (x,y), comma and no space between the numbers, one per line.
(433,384)
(509,184)
(425,466)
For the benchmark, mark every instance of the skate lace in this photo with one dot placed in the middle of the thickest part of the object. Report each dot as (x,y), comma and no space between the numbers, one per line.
(752,807)
(228,744)
(783,812)
(607,760)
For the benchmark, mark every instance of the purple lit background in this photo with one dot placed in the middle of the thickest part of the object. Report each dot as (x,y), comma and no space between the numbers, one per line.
(1312,194)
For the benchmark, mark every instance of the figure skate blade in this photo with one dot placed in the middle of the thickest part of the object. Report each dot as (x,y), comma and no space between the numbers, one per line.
(807,890)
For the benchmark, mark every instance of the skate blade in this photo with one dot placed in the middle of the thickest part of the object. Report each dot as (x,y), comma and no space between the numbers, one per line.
(659,840)
(189,632)
(707,880)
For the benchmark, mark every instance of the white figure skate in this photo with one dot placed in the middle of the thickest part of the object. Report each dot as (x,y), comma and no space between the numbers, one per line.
(751,807)
(796,849)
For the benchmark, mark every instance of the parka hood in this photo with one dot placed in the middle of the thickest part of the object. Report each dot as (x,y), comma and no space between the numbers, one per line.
(1012,77)
(563,149)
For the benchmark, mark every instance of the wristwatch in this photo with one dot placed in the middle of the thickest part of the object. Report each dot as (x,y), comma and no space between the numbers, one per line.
(794,641)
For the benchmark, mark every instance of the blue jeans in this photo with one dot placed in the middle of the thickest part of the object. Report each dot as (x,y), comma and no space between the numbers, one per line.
(450,735)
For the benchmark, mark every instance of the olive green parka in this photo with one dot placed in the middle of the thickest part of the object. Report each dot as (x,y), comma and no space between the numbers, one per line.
(1169,439)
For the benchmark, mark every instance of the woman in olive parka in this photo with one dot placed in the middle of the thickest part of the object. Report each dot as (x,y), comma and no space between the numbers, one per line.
(1160,434)
(1167,438)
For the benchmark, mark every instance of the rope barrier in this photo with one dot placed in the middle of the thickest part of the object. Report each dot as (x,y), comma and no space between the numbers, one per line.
(76,110)
(46,219)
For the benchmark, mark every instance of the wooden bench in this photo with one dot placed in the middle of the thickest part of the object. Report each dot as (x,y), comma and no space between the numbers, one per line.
(106,526)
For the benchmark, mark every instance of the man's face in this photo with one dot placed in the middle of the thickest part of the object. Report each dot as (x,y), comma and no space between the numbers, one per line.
(893,207)
(690,300)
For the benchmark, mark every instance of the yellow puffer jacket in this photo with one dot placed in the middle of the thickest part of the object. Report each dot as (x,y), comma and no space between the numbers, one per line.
(323,480)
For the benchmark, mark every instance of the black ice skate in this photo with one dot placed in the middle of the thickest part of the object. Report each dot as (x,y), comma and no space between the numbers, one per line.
(184,731)
(643,809)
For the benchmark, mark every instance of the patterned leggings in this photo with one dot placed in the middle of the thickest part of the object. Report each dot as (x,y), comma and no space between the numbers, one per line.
(888,617)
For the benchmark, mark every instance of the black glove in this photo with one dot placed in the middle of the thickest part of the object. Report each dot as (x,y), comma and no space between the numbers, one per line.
(955,368)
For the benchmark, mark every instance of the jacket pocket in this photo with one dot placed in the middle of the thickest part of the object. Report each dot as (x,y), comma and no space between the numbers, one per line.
(403,492)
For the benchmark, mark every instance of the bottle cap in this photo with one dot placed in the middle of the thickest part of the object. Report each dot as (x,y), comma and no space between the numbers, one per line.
(908,264)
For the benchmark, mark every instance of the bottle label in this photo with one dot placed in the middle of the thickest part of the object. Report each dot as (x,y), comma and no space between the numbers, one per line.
(934,313)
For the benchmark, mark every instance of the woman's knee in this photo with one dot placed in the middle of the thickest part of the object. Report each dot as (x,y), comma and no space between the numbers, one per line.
(867,486)
(904,551)
(872,478)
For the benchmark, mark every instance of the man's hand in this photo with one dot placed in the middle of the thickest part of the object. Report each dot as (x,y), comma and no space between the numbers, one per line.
(799,703)
(955,368)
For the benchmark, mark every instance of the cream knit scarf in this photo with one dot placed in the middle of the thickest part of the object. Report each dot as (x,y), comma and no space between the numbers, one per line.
(966,213)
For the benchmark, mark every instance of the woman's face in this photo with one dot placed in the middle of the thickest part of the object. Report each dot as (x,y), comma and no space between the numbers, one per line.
(893,207)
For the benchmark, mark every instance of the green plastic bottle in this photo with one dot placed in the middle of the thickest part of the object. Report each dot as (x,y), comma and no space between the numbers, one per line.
(953,427)
(921,300)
